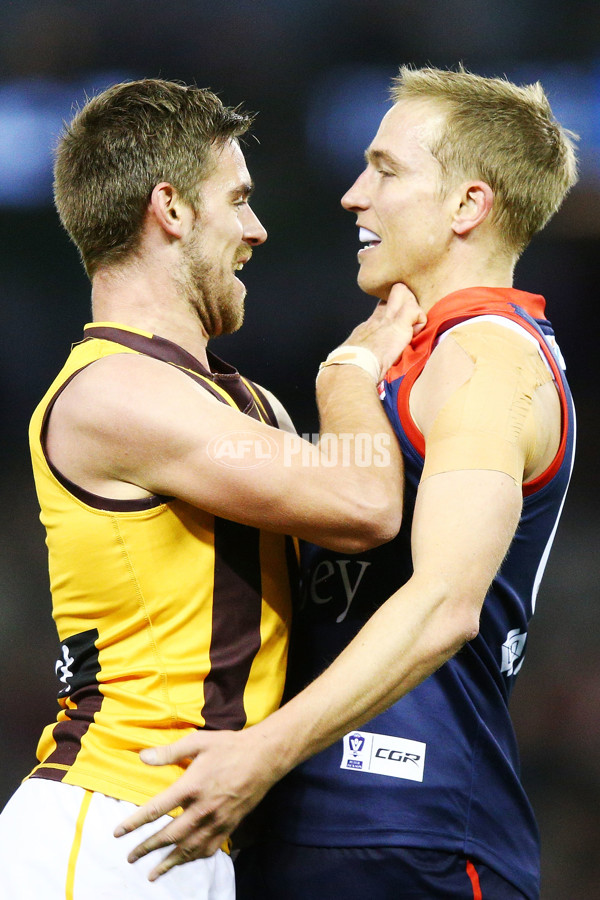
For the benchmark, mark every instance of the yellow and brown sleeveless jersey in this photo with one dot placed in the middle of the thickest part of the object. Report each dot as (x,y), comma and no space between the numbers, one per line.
(169,618)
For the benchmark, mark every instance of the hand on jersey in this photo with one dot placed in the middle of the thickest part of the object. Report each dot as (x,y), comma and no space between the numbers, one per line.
(390,328)
(219,787)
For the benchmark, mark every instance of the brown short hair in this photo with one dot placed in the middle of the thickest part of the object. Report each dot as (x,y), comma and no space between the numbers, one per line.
(121,144)
(505,135)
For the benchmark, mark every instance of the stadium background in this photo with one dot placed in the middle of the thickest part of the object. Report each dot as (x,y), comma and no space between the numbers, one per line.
(317,71)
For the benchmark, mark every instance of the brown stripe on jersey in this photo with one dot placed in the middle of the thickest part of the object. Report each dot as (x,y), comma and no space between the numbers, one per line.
(236,617)
(69,732)
(155,346)
(220,372)
(271,417)
(240,395)
(203,381)
(292,555)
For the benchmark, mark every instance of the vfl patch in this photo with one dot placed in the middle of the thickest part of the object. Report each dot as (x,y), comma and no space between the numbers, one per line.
(513,650)
(382,754)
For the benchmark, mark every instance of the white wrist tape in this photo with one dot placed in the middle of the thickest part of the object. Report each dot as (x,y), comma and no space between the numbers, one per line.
(348,354)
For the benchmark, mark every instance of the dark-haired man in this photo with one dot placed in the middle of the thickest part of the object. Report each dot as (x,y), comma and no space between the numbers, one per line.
(168,485)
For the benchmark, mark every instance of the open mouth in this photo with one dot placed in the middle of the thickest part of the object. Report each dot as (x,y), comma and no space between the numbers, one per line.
(368,238)
(240,264)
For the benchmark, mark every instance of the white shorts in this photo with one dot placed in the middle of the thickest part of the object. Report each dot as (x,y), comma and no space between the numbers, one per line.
(54,846)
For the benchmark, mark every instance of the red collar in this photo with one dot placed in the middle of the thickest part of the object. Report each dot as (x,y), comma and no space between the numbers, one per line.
(457,307)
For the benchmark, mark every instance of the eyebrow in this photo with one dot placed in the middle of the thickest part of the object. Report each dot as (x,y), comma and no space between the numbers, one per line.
(381,156)
(244,190)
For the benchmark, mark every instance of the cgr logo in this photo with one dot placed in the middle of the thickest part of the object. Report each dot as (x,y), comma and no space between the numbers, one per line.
(398,756)
(242,450)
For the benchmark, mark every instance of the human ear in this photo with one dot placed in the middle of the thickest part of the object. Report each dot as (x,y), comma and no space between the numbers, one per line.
(167,208)
(475,204)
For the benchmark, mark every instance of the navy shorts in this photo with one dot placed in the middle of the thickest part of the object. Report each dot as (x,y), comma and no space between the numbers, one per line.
(279,871)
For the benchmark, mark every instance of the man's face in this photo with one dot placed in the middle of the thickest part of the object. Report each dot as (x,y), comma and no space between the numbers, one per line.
(225,231)
(398,199)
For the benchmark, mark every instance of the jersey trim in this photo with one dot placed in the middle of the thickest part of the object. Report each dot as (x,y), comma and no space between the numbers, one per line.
(515,306)
(221,379)
(76,846)
(474,879)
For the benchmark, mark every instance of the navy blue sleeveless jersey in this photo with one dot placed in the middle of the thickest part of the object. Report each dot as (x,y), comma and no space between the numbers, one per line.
(440,768)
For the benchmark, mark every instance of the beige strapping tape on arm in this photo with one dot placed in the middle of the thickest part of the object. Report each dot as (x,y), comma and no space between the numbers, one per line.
(487,423)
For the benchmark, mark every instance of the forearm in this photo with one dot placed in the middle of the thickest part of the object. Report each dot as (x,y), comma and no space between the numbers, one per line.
(349,403)
(358,448)
(415,632)
(349,407)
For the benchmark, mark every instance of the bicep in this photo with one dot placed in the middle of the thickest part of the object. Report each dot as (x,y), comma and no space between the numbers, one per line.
(235,467)
(129,425)
(187,444)
(463,525)
(241,469)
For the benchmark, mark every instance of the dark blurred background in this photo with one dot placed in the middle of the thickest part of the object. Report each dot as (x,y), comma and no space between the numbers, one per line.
(317,71)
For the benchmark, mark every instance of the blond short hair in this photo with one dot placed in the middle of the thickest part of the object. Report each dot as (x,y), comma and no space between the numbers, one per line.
(503,134)
(121,144)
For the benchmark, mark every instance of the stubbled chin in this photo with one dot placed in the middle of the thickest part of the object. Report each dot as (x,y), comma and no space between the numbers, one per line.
(241,287)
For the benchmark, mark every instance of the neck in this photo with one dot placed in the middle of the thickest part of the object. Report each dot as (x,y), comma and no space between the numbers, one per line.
(493,270)
(146,298)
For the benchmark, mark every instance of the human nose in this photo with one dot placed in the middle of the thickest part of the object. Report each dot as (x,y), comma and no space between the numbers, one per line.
(356,198)
(254,231)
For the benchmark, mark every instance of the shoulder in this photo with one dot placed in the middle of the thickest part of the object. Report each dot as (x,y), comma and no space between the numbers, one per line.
(124,419)
(500,346)
(125,388)
(488,353)
(493,338)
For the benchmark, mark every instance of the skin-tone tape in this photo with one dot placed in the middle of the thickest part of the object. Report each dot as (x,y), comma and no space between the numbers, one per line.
(348,354)
(489,422)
